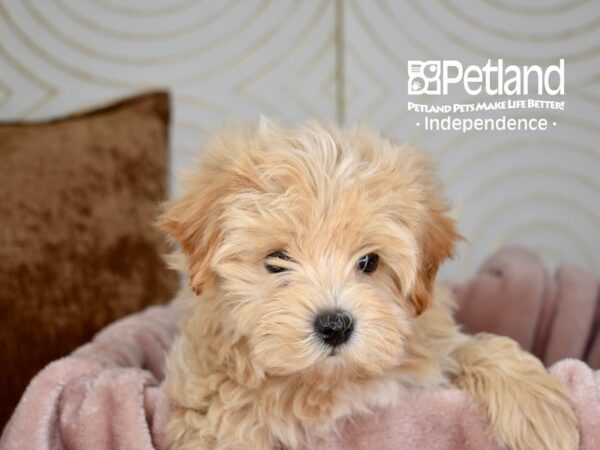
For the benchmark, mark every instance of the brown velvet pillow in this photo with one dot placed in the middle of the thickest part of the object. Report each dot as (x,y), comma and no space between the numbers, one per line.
(78,197)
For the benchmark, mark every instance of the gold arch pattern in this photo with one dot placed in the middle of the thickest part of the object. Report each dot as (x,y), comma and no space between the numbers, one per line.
(342,60)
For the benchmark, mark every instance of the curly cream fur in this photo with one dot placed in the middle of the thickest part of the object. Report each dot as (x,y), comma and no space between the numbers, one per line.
(247,371)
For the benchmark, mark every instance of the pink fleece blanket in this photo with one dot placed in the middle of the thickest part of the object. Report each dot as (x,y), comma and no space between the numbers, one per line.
(107,393)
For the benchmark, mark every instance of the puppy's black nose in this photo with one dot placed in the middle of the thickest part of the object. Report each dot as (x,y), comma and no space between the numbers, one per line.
(334,327)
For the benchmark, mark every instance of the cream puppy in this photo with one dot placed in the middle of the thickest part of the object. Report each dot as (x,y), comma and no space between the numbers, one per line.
(312,254)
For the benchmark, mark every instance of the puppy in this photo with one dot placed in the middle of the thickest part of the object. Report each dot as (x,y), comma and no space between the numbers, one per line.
(312,255)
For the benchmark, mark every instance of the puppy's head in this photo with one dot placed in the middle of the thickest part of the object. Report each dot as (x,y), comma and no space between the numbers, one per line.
(321,245)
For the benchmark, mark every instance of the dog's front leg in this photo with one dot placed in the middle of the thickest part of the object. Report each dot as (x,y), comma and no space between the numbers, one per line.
(526,407)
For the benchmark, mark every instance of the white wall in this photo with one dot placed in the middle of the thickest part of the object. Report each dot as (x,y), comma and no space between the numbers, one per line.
(342,61)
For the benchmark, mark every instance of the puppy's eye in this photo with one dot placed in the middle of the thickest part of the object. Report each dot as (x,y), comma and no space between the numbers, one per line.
(368,263)
(271,261)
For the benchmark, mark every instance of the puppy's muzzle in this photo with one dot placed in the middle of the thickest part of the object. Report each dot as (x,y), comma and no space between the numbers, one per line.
(334,327)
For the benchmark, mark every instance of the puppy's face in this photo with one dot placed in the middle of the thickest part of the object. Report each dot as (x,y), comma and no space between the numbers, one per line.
(321,245)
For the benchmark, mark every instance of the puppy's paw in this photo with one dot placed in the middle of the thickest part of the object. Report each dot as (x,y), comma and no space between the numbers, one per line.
(537,417)
(527,408)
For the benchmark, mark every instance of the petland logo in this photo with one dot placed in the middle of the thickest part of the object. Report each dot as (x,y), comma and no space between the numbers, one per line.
(435,77)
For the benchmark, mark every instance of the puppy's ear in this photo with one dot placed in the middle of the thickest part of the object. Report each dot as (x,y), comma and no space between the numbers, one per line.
(436,233)
(437,244)
(193,221)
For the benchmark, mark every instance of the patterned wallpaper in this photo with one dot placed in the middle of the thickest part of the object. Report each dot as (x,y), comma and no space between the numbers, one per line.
(342,61)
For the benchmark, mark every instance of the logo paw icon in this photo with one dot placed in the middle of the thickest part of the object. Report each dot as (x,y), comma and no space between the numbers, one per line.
(424,77)
(417,85)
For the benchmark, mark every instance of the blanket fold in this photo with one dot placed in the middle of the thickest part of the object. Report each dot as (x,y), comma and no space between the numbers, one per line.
(107,393)
(554,317)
